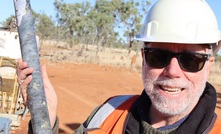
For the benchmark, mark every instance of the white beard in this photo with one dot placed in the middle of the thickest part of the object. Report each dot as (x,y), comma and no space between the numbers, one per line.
(168,106)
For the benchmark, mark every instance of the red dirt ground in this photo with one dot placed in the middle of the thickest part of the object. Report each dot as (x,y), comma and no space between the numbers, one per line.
(82,87)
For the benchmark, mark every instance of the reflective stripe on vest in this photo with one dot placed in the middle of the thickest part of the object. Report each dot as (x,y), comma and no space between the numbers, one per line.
(113,122)
(106,110)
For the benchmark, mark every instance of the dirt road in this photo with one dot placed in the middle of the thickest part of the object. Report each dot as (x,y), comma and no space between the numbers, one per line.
(82,87)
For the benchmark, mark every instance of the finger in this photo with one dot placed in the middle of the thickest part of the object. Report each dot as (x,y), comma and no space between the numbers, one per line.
(44,72)
(45,75)
(21,66)
(46,81)
(50,95)
(24,86)
(49,89)
(24,73)
(19,61)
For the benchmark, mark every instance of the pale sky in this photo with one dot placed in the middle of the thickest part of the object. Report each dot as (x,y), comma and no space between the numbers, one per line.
(46,6)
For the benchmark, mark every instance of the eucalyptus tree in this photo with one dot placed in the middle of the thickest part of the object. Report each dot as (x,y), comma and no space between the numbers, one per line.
(101,24)
(7,23)
(73,18)
(103,19)
(217,57)
(129,15)
(45,26)
(116,16)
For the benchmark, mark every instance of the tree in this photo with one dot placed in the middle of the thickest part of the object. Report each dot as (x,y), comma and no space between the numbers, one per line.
(9,23)
(217,57)
(103,19)
(45,26)
(122,14)
(72,17)
(129,16)
(99,24)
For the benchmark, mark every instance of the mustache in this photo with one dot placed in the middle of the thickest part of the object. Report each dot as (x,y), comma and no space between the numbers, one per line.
(176,82)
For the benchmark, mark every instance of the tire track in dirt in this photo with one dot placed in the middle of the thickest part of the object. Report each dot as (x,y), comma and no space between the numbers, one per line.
(76,97)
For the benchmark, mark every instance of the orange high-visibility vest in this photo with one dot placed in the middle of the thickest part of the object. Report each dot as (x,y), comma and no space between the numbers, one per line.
(115,112)
(216,127)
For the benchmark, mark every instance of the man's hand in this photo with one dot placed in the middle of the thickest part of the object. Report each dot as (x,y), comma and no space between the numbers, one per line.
(25,77)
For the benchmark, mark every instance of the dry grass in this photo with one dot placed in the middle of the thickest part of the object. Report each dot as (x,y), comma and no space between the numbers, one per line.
(215,74)
(108,56)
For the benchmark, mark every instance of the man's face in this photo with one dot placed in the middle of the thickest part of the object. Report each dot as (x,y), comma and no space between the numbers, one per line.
(172,90)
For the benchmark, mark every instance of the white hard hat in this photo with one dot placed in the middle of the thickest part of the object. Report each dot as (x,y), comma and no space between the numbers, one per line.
(181,21)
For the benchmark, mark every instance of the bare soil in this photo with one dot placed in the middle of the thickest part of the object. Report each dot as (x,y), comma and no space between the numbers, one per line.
(82,87)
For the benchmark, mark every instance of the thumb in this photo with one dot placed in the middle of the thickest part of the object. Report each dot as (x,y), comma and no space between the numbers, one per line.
(44,72)
(46,81)
(49,89)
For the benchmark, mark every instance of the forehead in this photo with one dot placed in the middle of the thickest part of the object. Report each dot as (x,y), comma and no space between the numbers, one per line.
(177,46)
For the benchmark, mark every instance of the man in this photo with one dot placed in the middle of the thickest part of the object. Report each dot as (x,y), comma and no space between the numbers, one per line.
(180,37)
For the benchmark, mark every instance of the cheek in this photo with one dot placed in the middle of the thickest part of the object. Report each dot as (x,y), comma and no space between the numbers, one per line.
(148,78)
(146,71)
(197,79)
(150,73)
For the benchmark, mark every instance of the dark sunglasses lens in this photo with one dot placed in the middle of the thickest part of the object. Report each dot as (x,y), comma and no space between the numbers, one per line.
(191,62)
(157,58)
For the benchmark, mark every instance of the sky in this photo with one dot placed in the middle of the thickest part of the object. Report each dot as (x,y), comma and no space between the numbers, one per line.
(46,6)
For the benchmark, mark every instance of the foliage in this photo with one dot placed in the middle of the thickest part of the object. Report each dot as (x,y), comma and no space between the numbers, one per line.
(113,23)
(45,26)
(72,18)
(6,23)
(217,57)
(98,24)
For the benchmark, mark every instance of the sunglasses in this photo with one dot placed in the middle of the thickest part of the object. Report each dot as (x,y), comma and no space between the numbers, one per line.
(188,61)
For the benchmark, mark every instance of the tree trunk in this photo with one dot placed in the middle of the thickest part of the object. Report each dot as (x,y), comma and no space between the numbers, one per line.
(99,45)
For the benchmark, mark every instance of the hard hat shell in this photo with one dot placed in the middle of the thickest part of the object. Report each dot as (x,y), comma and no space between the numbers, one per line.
(181,21)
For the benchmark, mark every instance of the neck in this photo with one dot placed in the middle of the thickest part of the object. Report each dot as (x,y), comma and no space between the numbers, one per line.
(157,119)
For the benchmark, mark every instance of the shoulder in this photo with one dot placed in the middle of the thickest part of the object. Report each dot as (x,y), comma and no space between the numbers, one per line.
(100,113)
(103,111)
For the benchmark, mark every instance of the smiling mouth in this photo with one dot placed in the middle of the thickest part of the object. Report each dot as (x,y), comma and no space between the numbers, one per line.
(171,90)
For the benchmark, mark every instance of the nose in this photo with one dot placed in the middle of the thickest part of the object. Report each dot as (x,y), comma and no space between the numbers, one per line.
(173,70)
